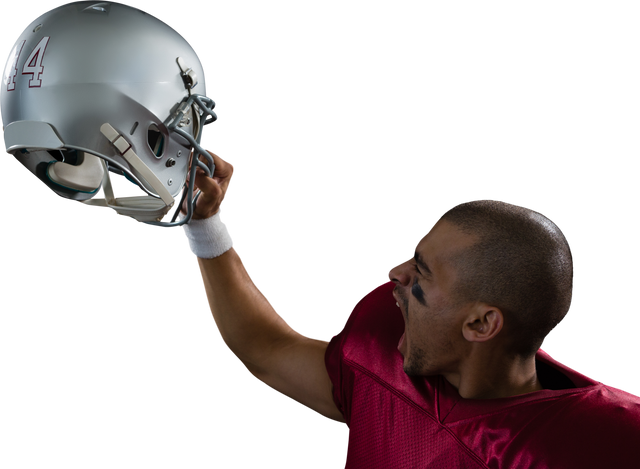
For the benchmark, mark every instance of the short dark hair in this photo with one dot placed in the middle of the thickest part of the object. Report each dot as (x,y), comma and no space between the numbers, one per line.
(521,263)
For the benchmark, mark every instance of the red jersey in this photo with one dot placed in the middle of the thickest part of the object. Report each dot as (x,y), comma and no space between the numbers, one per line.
(398,421)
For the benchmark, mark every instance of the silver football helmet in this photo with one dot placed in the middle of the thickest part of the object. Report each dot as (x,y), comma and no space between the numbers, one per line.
(92,88)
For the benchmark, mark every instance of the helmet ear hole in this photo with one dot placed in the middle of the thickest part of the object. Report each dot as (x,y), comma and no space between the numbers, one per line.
(155,140)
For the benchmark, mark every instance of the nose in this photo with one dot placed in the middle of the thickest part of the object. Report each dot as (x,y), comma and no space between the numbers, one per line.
(401,274)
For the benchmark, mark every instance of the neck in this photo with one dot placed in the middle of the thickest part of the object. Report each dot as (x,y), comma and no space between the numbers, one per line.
(493,377)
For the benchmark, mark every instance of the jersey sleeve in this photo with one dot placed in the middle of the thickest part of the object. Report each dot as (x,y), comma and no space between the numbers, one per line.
(342,376)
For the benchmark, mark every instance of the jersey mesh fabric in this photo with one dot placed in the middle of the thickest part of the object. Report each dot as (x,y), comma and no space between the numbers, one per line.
(397,421)
(387,432)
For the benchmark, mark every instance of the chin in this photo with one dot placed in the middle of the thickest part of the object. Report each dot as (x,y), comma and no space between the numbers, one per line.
(413,373)
(411,370)
(416,365)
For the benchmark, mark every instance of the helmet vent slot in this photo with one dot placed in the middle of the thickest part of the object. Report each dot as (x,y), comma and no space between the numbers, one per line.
(156,140)
(133,129)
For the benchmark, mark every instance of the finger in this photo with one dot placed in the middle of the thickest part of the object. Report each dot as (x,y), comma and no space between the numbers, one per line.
(225,171)
(200,181)
(209,187)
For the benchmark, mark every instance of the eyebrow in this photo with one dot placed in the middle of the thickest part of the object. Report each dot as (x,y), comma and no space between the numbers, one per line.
(423,266)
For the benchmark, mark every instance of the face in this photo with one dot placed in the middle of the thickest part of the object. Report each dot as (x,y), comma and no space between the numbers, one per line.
(433,341)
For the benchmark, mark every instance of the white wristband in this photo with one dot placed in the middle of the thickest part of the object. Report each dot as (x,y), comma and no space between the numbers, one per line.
(208,238)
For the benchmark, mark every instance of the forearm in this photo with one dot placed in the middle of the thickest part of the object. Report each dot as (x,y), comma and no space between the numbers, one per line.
(247,322)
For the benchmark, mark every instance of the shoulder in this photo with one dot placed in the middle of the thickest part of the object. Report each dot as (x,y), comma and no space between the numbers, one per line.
(597,428)
(592,424)
(592,401)
(366,350)
(373,326)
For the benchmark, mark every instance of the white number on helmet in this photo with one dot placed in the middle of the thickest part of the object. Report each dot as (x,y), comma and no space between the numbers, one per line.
(12,67)
(33,64)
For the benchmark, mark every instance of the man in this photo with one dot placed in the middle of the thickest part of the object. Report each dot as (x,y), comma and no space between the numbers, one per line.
(441,367)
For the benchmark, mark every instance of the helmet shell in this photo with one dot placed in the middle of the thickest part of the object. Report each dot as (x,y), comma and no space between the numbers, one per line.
(84,64)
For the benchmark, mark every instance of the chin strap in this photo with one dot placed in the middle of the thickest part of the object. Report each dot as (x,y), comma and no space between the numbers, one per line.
(143,208)
(125,150)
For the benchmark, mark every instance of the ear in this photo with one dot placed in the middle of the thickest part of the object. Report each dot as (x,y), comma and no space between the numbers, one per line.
(484,323)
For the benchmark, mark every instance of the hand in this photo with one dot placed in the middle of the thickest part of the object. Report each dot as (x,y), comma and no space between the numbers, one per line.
(212,190)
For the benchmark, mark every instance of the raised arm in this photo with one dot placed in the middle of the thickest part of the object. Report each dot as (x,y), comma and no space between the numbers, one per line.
(266,345)
(262,340)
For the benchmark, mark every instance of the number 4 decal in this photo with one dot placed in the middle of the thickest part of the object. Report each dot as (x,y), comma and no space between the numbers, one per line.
(32,66)
(12,79)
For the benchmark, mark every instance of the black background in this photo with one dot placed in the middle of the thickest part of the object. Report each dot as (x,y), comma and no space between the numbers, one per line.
(351,133)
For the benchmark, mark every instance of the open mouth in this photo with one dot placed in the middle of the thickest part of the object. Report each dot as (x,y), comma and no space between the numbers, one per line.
(401,343)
